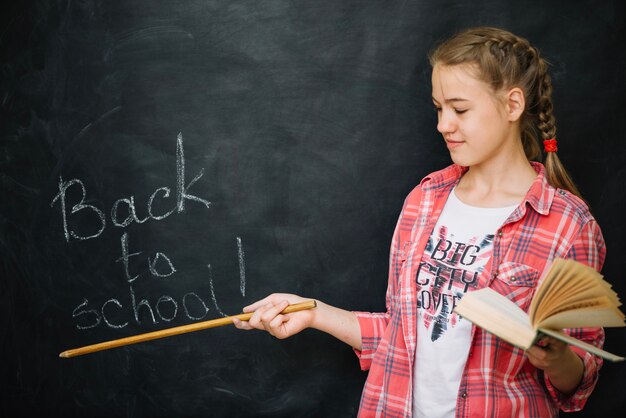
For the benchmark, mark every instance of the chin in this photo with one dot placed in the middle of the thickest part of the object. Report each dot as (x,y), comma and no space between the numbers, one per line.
(459,160)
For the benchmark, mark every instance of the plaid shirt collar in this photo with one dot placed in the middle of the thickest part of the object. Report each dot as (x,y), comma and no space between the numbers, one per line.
(539,196)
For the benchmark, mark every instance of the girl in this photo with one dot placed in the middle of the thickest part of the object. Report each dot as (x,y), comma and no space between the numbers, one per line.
(494,218)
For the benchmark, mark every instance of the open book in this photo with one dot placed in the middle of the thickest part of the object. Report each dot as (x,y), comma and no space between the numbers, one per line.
(571,295)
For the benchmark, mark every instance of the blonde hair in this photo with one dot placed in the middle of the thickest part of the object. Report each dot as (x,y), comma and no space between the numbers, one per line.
(504,60)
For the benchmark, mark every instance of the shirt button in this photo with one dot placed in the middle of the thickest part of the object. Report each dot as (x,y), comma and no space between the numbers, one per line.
(500,234)
(513,279)
(464,395)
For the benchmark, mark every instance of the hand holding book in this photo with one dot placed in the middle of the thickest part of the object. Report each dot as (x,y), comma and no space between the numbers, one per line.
(570,295)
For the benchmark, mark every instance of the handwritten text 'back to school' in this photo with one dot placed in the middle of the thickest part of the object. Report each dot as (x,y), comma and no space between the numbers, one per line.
(71,201)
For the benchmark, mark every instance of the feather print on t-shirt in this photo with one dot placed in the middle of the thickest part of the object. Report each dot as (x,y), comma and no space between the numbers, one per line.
(449,268)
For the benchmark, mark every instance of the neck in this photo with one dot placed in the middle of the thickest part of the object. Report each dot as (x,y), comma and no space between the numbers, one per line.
(500,183)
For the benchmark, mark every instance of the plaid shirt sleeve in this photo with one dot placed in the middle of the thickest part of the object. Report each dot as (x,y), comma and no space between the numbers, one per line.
(589,249)
(374,325)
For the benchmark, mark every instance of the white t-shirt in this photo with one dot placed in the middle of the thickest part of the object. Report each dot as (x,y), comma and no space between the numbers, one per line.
(457,251)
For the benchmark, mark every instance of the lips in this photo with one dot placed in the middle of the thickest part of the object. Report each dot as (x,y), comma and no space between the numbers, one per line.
(454,144)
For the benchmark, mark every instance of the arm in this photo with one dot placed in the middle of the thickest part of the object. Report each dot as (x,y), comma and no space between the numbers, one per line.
(339,323)
(570,373)
(363,331)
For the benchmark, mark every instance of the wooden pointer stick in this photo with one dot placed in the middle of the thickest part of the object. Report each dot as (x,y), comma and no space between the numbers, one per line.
(176,330)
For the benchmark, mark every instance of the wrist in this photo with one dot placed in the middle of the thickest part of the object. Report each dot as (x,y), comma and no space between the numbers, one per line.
(339,323)
(568,373)
(316,320)
(570,361)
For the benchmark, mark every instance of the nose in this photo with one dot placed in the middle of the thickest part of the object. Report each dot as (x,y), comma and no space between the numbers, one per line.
(445,122)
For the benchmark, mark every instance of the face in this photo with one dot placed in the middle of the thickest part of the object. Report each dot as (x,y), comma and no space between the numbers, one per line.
(475,124)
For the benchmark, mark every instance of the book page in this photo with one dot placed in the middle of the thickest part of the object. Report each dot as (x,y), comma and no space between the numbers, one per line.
(495,313)
(579,290)
(579,308)
(570,285)
(584,317)
(563,275)
(545,284)
(575,293)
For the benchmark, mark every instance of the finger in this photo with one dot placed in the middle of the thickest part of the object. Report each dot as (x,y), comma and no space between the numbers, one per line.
(535,361)
(537,353)
(557,344)
(255,320)
(256,305)
(241,324)
(277,326)
(268,316)
(274,309)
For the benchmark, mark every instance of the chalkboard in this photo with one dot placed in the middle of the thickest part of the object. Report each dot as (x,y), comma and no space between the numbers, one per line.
(166,162)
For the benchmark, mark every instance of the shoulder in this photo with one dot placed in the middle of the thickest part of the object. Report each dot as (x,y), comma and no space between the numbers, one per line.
(556,203)
(436,180)
(586,243)
(567,204)
(571,216)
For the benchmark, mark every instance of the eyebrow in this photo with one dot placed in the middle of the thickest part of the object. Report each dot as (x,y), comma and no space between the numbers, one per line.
(452,99)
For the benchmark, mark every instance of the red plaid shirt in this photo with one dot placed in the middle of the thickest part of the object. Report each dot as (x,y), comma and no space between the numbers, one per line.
(498,380)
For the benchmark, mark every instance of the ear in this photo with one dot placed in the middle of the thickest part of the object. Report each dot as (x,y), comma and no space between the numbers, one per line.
(515,104)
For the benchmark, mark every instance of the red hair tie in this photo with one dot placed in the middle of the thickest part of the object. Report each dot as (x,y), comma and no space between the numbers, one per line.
(549,145)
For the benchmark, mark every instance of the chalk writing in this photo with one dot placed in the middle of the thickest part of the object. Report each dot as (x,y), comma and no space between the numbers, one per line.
(182,195)
(213,292)
(194,306)
(63,186)
(117,312)
(242,268)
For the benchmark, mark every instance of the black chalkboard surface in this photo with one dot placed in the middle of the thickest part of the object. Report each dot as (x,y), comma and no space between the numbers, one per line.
(166,162)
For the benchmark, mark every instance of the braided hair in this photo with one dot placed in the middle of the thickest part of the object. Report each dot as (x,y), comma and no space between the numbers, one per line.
(503,60)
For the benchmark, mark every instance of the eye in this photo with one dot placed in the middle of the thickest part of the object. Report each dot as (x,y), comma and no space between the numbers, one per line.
(437,109)
(460,111)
